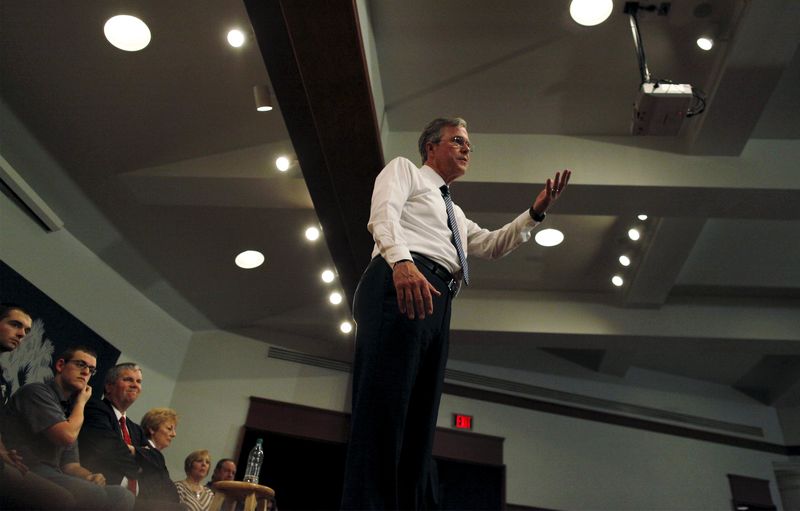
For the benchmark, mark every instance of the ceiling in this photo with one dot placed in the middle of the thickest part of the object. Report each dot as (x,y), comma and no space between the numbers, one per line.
(166,169)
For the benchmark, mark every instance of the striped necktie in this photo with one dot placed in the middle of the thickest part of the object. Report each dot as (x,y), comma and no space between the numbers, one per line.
(451,223)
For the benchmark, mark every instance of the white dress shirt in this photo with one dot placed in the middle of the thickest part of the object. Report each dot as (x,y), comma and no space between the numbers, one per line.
(408,215)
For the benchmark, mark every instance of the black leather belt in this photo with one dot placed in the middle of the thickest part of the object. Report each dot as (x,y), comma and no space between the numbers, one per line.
(438,270)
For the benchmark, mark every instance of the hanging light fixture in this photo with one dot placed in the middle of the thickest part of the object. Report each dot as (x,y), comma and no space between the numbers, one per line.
(263,98)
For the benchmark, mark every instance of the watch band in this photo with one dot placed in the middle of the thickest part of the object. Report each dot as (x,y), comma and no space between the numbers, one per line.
(538,217)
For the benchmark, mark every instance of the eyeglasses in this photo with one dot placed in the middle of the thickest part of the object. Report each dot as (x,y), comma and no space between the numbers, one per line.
(80,364)
(461,142)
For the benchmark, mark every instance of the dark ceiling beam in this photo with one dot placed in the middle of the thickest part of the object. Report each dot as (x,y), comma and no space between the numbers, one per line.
(313,53)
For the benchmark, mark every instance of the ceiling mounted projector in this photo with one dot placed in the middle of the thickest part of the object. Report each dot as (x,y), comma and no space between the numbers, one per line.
(661,106)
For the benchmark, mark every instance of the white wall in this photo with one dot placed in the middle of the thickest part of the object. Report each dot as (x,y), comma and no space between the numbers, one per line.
(790,421)
(560,462)
(659,391)
(564,463)
(69,273)
(220,373)
(552,461)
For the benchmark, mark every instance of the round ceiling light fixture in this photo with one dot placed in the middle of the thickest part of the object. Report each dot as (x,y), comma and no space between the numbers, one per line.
(328,276)
(705,43)
(642,217)
(617,280)
(249,259)
(549,237)
(127,33)
(282,163)
(624,260)
(346,327)
(634,234)
(312,234)
(236,38)
(335,298)
(590,12)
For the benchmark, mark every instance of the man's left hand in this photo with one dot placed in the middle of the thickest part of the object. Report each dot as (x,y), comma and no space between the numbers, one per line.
(13,459)
(551,191)
(98,479)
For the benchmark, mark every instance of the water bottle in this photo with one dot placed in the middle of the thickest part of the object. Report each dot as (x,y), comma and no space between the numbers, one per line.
(254,461)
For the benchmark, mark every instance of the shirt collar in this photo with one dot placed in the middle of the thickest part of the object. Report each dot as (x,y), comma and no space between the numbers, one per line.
(432,176)
(116,412)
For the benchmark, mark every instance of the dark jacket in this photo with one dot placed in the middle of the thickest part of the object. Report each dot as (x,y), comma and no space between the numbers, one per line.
(101,446)
(156,489)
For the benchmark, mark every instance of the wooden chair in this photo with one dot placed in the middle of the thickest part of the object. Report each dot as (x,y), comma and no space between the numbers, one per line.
(228,493)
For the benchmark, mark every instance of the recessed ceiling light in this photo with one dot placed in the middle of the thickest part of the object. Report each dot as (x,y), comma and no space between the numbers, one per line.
(335,298)
(705,43)
(624,260)
(282,163)
(634,234)
(312,234)
(549,237)
(617,280)
(590,12)
(642,217)
(236,38)
(328,276)
(249,259)
(127,33)
(346,327)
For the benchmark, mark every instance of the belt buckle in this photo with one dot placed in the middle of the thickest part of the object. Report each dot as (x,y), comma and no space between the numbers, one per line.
(453,286)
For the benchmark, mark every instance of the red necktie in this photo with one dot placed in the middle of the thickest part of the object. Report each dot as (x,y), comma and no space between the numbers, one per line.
(127,437)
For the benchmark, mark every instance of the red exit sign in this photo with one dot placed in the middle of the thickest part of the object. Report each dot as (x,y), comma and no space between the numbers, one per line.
(462,421)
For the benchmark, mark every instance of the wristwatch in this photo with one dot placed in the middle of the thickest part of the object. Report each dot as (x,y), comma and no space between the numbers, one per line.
(538,217)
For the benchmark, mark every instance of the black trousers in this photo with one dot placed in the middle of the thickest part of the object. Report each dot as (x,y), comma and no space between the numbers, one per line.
(397,384)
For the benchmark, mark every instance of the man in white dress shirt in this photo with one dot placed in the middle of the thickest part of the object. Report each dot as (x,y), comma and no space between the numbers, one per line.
(402,310)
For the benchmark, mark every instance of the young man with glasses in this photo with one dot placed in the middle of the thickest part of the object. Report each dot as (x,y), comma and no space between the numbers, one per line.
(44,420)
(402,309)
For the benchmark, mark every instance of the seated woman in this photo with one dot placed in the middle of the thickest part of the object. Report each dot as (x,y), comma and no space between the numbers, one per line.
(156,489)
(191,490)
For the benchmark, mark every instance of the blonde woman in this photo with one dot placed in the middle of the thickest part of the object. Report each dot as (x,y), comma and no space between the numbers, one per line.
(191,490)
(157,491)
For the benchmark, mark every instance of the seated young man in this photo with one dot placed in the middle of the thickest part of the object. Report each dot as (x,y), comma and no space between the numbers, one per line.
(43,423)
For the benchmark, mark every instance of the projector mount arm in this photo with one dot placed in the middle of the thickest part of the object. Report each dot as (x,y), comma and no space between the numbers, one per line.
(632,9)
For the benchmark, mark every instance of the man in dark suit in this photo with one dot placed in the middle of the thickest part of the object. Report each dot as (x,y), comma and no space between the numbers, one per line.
(108,439)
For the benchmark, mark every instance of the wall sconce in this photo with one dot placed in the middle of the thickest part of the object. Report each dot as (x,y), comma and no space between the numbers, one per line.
(263,98)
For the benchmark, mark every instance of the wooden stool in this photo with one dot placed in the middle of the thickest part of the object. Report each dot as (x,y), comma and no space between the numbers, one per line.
(228,493)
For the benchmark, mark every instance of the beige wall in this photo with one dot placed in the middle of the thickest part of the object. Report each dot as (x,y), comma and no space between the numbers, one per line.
(220,373)
(560,462)
(552,461)
(73,276)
